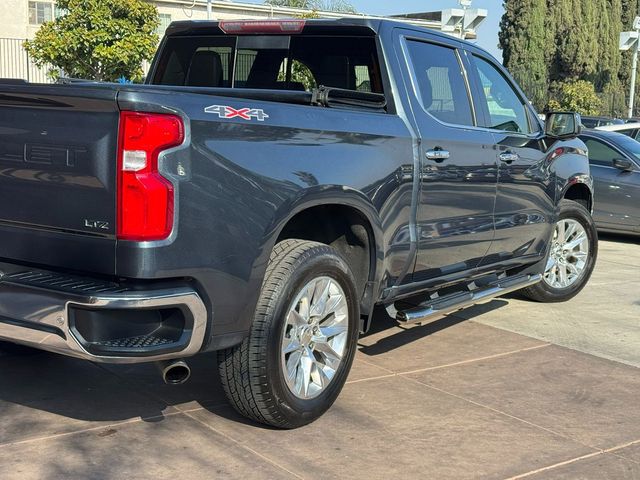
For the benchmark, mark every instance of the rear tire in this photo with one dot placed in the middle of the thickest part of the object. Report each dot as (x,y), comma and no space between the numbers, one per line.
(571,261)
(288,372)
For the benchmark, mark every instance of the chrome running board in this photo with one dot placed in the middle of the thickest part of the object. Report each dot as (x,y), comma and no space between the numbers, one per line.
(436,308)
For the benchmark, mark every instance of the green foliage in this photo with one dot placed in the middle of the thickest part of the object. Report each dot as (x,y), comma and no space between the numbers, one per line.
(326,5)
(576,96)
(551,42)
(98,39)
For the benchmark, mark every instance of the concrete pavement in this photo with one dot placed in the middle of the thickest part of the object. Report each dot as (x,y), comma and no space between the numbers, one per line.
(510,389)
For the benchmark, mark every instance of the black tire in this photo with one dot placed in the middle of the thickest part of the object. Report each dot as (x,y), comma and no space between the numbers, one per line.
(542,291)
(252,373)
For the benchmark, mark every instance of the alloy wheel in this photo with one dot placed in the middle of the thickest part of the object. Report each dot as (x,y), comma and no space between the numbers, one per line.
(315,337)
(569,254)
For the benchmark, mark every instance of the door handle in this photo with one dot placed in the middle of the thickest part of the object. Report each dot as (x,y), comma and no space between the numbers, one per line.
(437,154)
(509,157)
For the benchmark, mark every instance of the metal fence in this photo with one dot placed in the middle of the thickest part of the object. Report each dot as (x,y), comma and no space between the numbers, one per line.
(15,62)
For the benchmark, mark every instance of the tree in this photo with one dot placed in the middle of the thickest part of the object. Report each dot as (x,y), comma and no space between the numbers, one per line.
(97,39)
(523,39)
(326,5)
(547,43)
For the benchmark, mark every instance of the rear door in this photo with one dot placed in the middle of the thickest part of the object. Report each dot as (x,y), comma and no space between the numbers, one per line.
(525,201)
(458,165)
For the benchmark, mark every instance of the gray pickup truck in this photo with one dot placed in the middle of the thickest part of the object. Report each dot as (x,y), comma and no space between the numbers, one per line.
(270,185)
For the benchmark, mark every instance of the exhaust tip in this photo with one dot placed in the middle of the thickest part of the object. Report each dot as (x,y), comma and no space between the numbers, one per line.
(175,373)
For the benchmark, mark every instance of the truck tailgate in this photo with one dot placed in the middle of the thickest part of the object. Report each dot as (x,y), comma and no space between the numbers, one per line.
(58,147)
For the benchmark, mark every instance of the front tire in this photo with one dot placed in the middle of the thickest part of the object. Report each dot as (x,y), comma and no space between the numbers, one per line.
(294,363)
(572,256)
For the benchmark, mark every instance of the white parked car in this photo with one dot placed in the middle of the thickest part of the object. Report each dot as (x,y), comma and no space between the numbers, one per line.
(629,129)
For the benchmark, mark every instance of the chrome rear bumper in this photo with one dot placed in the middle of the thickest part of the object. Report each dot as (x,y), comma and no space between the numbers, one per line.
(36,309)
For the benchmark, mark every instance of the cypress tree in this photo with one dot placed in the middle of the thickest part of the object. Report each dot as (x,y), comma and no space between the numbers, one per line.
(523,40)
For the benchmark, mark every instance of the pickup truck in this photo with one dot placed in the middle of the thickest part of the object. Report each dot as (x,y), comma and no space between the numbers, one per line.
(270,186)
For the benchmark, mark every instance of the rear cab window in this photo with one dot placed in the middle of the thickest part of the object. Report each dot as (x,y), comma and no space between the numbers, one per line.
(275,62)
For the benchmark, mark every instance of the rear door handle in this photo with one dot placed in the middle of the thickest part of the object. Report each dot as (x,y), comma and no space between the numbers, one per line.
(437,154)
(509,157)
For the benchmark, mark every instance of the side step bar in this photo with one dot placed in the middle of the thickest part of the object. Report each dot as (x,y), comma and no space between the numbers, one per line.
(442,306)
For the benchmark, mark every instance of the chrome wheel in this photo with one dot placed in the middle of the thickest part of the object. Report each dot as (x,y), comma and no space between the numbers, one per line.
(569,254)
(315,337)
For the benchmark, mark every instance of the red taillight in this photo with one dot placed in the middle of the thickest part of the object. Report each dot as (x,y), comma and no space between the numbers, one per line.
(262,26)
(145,198)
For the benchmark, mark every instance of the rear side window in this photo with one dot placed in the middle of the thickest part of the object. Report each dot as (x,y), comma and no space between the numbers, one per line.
(442,87)
(300,62)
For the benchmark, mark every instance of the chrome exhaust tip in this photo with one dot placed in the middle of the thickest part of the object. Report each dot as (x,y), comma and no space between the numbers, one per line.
(175,372)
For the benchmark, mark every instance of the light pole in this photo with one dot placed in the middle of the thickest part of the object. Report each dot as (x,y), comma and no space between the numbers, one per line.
(629,40)
(208,9)
(465,4)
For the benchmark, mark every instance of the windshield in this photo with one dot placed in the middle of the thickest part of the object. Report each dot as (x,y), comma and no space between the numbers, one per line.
(275,62)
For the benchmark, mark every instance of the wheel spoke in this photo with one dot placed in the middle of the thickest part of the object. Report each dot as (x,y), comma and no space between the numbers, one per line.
(332,331)
(551,263)
(292,346)
(295,318)
(292,365)
(563,275)
(570,229)
(581,237)
(561,232)
(320,297)
(327,351)
(306,363)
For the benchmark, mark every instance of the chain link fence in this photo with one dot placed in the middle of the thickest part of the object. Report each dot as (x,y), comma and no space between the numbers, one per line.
(15,62)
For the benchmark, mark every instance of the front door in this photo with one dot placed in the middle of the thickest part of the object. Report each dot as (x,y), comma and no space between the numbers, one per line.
(617,192)
(458,165)
(525,200)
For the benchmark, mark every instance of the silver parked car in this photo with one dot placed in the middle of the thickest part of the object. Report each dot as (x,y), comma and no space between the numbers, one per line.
(615,166)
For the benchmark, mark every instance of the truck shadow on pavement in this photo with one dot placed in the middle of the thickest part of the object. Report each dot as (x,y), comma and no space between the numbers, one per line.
(386,335)
(44,393)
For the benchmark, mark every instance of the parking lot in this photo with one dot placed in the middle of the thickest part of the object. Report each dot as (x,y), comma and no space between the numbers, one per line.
(509,389)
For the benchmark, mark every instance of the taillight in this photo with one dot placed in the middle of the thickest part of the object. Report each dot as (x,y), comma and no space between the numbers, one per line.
(145,198)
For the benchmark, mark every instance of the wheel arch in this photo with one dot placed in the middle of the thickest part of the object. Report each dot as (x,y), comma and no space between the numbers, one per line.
(345,219)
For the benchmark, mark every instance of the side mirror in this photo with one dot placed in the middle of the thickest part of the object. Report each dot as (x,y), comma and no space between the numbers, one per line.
(563,125)
(623,164)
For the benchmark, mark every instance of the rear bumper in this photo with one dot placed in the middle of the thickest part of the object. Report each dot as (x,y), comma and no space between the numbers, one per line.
(100,321)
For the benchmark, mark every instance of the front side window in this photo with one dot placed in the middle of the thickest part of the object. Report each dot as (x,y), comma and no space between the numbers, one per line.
(600,153)
(506,110)
(442,87)
(40,12)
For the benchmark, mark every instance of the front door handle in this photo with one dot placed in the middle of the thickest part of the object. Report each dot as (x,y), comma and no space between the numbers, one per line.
(509,157)
(437,154)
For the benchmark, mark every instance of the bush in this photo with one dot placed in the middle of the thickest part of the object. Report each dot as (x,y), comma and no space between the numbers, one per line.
(575,96)
(97,39)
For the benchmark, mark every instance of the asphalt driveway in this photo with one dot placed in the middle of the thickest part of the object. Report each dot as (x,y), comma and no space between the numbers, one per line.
(509,389)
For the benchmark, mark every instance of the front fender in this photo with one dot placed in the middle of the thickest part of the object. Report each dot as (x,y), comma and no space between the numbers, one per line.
(570,166)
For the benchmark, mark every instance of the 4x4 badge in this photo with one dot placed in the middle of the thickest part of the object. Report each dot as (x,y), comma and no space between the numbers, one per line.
(224,111)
